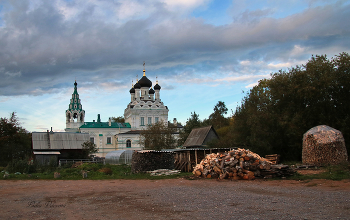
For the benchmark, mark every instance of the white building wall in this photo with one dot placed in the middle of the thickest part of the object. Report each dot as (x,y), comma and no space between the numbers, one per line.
(100,136)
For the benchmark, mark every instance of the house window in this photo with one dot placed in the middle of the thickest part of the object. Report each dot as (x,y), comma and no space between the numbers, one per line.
(156,119)
(92,140)
(109,140)
(149,120)
(128,144)
(142,121)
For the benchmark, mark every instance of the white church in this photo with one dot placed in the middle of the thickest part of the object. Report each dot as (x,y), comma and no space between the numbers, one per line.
(145,108)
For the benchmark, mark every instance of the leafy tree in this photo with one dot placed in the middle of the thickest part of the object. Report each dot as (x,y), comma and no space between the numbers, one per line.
(118,119)
(158,136)
(192,122)
(276,113)
(15,141)
(217,118)
(89,149)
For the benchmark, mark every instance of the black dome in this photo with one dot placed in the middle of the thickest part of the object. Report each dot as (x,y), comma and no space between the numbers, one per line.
(151,91)
(145,82)
(132,90)
(137,86)
(157,87)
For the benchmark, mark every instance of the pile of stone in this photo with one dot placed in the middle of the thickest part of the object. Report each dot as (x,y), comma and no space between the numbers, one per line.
(239,164)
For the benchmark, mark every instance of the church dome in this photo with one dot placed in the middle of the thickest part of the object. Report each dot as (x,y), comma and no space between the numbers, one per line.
(132,90)
(145,82)
(151,91)
(137,86)
(157,87)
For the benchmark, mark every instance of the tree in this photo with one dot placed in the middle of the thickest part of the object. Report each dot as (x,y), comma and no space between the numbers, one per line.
(192,122)
(15,141)
(276,113)
(118,119)
(89,149)
(217,118)
(158,136)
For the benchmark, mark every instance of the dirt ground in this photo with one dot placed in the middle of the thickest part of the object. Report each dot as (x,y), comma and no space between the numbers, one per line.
(174,199)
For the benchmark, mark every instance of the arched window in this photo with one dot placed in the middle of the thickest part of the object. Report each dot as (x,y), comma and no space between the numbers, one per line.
(128,144)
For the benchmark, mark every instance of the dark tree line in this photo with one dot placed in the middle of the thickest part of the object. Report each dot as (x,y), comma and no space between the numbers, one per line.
(15,141)
(217,119)
(276,113)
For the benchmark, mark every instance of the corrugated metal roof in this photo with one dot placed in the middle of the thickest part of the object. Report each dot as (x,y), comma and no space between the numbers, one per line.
(59,140)
(154,151)
(198,149)
(197,136)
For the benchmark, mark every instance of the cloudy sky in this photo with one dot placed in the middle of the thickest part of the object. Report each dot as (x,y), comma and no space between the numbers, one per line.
(202,51)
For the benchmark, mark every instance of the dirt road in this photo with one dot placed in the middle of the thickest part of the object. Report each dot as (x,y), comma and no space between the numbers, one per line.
(174,199)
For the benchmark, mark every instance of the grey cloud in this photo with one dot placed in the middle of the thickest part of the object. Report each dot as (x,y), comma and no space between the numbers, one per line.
(42,49)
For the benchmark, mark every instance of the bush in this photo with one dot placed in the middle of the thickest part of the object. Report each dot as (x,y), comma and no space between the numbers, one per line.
(17,165)
(90,166)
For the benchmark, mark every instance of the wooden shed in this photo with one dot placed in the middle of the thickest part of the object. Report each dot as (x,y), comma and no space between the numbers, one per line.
(199,137)
(57,145)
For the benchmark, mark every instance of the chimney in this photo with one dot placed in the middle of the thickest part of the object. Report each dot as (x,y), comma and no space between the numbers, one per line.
(98,118)
(175,122)
(110,122)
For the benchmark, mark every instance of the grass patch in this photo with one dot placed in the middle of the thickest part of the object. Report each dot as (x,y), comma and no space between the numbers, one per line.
(331,172)
(94,172)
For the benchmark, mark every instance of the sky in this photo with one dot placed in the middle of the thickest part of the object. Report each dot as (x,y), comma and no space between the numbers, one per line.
(200,51)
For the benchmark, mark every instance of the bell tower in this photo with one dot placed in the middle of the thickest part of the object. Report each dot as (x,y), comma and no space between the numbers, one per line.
(75,114)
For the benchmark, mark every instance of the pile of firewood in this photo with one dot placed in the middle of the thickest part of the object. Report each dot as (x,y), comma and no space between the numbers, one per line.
(238,164)
(323,145)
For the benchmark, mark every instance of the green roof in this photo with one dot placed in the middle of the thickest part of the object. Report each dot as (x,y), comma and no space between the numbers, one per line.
(105,125)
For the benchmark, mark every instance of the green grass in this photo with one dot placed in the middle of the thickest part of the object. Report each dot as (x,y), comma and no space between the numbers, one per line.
(331,172)
(335,172)
(93,173)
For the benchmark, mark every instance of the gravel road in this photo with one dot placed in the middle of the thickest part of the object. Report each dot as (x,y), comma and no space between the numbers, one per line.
(174,199)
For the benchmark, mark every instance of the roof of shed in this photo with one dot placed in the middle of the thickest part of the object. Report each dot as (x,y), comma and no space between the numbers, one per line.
(197,136)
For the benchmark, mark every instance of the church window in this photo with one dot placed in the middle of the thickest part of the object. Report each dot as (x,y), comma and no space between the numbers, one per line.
(75,101)
(75,106)
(109,140)
(149,120)
(92,140)
(128,144)
(142,121)
(156,119)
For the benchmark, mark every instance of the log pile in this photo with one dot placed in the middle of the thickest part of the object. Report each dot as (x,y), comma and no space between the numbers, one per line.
(239,164)
(274,158)
(143,161)
(323,145)
(163,172)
